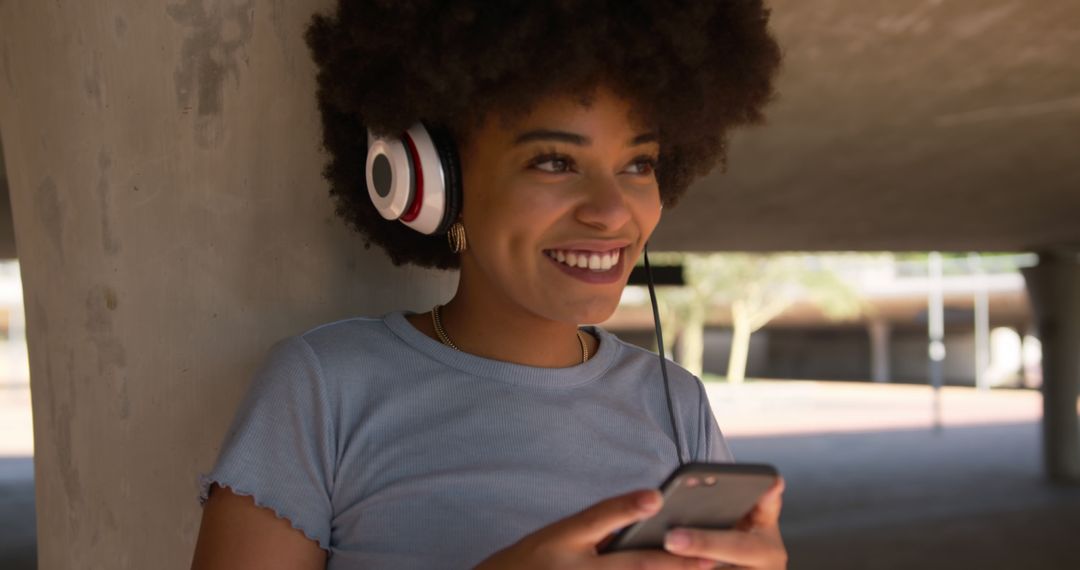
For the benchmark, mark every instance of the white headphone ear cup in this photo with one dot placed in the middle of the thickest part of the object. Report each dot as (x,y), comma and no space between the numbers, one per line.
(431,182)
(390,178)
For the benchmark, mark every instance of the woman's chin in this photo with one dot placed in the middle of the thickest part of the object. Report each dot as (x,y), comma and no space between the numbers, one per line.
(589,313)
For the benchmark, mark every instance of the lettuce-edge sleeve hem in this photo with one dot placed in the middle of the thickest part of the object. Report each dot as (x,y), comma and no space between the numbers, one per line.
(205,480)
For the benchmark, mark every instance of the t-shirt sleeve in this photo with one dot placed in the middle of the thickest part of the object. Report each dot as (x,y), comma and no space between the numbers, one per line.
(280,447)
(712,446)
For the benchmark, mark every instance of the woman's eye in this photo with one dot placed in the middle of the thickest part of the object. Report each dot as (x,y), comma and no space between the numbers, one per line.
(644,165)
(561,164)
(553,164)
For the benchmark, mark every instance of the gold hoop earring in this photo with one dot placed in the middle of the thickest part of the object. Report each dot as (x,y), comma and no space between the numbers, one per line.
(456,235)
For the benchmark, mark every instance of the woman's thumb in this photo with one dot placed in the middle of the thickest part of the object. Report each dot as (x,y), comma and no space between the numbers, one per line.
(591,525)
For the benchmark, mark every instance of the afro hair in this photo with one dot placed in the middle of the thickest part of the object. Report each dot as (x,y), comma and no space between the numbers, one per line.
(693,68)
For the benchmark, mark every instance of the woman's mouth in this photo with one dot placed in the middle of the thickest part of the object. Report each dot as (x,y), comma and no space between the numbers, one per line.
(589,266)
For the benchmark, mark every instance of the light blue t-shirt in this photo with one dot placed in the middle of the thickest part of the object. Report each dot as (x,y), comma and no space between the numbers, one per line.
(394,451)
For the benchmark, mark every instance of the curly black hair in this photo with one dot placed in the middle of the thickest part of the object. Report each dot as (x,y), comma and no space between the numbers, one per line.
(692,68)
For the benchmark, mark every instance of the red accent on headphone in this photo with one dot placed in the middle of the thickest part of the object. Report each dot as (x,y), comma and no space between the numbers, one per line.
(418,200)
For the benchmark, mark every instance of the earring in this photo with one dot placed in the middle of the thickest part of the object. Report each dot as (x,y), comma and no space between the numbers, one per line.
(456,235)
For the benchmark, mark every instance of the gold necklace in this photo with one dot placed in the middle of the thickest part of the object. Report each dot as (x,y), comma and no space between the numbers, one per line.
(436,319)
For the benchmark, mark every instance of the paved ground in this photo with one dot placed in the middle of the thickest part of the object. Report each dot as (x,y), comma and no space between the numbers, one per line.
(871,484)
(965,497)
(17,532)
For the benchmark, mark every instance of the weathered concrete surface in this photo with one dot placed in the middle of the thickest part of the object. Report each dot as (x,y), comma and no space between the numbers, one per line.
(905,125)
(171,223)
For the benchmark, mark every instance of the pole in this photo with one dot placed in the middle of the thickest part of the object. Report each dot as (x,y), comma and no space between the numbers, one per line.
(936,334)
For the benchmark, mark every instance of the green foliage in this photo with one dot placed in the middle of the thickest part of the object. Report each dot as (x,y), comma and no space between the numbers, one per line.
(756,288)
(769,283)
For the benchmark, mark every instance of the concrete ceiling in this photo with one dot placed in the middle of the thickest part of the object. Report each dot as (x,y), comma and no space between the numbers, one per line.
(900,125)
(905,125)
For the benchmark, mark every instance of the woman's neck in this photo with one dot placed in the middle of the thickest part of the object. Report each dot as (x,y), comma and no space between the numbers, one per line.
(492,326)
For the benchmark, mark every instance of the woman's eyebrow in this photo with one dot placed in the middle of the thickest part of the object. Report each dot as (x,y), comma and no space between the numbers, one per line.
(575,138)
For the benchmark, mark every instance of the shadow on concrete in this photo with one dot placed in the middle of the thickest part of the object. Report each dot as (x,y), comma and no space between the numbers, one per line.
(962,497)
(18,533)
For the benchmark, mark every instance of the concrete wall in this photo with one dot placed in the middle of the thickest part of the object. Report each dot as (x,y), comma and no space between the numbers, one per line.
(171,224)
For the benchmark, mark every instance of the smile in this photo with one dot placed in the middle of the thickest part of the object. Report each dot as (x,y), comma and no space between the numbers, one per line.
(588,266)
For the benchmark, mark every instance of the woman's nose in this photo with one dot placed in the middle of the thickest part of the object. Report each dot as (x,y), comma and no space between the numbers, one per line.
(605,205)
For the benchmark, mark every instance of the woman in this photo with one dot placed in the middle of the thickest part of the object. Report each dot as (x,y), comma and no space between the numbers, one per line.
(494,431)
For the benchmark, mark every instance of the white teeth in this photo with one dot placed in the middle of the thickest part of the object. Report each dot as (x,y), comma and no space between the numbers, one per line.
(592,261)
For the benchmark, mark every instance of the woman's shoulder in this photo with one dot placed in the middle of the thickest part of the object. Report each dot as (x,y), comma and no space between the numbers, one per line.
(646,363)
(341,326)
(346,335)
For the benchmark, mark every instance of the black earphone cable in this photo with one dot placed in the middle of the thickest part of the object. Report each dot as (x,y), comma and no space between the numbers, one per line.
(663,359)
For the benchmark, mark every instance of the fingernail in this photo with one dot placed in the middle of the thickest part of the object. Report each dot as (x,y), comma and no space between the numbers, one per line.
(677,540)
(649,502)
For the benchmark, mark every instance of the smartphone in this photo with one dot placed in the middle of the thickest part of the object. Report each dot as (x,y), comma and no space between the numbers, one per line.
(700,495)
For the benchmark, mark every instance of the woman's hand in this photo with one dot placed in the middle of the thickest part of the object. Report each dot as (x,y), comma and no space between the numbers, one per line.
(755,542)
(570,543)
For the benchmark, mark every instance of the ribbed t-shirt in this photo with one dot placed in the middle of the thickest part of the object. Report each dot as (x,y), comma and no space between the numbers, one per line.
(392,450)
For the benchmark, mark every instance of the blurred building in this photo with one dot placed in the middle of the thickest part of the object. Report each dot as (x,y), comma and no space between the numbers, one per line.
(888,341)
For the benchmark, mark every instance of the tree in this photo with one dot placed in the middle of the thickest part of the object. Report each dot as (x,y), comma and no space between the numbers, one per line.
(757,288)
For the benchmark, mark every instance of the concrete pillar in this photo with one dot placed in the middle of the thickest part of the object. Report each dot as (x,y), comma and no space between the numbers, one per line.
(880,336)
(982,323)
(1032,355)
(1054,288)
(935,318)
(171,223)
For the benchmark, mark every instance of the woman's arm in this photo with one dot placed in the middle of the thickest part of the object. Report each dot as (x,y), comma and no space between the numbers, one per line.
(238,535)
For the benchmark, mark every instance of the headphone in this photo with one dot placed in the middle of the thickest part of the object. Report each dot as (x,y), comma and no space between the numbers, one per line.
(415,178)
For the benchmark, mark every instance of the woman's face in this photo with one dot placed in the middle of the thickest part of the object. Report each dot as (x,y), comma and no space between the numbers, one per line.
(564,184)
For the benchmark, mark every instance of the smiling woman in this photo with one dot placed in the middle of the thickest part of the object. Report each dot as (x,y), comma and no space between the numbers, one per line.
(693,70)
(496,429)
